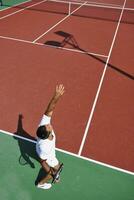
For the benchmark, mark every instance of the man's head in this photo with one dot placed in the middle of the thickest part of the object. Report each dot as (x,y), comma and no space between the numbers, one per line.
(43,132)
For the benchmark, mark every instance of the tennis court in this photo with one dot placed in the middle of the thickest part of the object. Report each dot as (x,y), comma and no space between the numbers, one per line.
(88,46)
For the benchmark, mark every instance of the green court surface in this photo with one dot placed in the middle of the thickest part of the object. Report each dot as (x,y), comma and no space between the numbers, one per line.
(80,179)
(9,3)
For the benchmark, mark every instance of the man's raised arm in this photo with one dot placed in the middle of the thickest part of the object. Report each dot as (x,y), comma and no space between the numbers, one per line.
(59,91)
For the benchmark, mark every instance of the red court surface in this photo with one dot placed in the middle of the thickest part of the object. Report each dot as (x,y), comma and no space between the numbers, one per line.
(112,125)
(113,119)
(33,71)
(22,26)
(117,2)
(30,70)
(83,30)
(130,4)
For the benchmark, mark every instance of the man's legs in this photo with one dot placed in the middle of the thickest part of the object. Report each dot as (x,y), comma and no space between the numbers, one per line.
(50,172)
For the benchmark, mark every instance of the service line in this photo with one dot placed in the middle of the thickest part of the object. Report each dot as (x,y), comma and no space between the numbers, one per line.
(100,85)
(62,48)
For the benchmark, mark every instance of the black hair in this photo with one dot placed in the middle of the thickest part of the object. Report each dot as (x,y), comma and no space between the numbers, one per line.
(42,133)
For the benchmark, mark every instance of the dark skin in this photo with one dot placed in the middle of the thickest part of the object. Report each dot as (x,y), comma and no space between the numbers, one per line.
(59,91)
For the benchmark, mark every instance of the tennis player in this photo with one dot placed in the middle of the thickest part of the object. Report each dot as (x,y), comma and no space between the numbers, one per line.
(46,138)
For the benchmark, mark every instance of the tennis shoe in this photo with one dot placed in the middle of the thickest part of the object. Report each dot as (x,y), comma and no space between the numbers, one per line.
(45,186)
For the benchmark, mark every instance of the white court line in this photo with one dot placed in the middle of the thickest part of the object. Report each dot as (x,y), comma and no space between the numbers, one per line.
(15,5)
(41,44)
(110,4)
(93,4)
(18,40)
(89,3)
(59,22)
(72,154)
(76,50)
(129,9)
(100,84)
(13,13)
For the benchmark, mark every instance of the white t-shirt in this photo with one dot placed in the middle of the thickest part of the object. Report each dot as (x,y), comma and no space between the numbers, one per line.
(46,148)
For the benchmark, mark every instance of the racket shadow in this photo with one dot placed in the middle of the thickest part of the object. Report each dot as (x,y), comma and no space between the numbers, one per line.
(27,148)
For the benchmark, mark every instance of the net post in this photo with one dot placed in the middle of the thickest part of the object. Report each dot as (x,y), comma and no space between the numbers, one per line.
(69,9)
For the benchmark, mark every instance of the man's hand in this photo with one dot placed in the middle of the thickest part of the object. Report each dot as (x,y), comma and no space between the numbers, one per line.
(60,90)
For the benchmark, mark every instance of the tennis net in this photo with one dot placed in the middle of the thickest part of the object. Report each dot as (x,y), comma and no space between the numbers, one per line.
(92,10)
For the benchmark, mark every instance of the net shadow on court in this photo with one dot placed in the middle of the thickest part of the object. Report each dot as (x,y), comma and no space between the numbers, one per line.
(70,39)
(86,11)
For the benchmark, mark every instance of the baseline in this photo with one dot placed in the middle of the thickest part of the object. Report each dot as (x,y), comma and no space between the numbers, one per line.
(72,154)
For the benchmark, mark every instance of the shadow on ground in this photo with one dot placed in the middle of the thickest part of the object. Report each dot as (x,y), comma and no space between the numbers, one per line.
(27,147)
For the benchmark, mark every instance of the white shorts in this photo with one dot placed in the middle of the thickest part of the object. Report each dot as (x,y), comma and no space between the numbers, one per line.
(52,162)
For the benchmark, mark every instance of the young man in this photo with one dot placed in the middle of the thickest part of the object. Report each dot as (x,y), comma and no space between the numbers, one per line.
(45,145)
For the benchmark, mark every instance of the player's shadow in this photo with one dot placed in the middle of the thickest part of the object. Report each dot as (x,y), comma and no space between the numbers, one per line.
(27,147)
(69,39)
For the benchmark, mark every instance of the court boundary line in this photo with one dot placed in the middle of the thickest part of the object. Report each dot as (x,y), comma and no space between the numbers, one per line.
(100,84)
(15,5)
(76,50)
(100,5)
(72,154)
(41,44)
(20,40)
(88,2)
(13,13)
